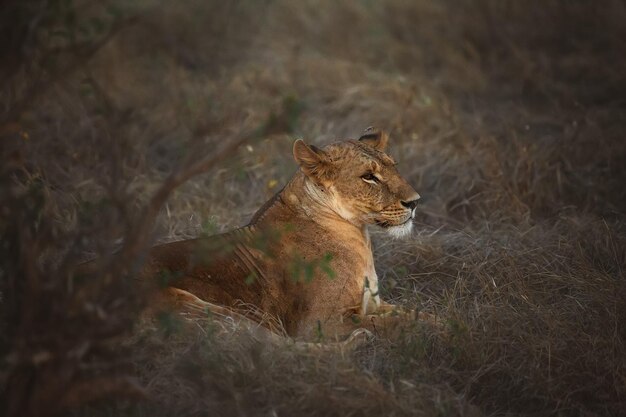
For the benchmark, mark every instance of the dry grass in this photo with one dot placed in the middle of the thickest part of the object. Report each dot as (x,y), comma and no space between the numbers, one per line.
(508,118)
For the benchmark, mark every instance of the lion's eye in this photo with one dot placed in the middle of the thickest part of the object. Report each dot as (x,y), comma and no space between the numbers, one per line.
(369,177)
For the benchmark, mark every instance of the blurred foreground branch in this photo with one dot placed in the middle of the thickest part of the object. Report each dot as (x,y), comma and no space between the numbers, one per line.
(41,44)
(63,331)
(137,239)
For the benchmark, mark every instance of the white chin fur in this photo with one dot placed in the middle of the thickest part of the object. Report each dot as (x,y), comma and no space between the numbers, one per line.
(400,231)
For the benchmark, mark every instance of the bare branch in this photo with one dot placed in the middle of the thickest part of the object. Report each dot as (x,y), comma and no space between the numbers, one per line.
(140,234)
(82,54)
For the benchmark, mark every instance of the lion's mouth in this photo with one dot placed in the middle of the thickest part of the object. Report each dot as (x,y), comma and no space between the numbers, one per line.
(387,223)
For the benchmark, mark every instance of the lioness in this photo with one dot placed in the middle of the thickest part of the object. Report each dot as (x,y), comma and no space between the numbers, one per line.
(305,258)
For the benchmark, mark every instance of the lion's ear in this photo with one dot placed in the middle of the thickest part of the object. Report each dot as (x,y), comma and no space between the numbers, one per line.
(375,138)
(313,161)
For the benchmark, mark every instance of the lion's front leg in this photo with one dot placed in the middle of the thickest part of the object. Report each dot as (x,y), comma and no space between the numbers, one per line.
(386,309)
(391,310)
(388,320)
(391,321)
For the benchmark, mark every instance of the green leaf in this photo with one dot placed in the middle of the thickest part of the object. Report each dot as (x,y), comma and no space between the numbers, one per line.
(250,279)
(169,322)
(97,24)
(318,331)
(165,277)
(309,272)
(325,265)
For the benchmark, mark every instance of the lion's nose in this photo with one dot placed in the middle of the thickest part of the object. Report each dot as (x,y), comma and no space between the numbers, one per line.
(410,204)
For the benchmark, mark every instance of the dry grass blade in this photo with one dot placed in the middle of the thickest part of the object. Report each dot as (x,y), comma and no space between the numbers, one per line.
(506,117)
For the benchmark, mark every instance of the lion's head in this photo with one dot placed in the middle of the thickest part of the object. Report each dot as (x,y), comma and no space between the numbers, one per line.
(360,182)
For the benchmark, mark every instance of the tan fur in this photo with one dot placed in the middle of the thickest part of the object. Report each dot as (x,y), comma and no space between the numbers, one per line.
(305,258)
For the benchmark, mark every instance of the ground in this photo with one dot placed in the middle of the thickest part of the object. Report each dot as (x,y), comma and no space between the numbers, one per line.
(507,117)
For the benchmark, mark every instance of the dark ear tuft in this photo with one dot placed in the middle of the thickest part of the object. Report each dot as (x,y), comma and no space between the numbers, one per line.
(312,160)
(375,138)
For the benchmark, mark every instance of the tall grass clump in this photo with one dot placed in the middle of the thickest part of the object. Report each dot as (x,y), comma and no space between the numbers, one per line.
(125,125)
